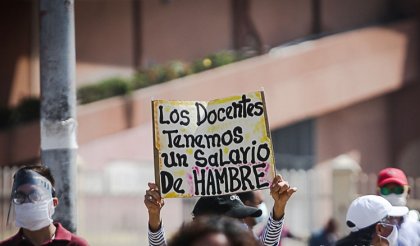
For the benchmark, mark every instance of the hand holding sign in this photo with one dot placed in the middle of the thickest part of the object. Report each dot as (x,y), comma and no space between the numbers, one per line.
(154,203)
(213,148)
(281,192)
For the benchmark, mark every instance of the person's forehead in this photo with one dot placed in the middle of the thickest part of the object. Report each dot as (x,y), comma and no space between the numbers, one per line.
(26,188)
(30,177)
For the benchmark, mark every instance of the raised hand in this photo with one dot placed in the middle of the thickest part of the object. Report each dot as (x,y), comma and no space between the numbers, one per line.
(154,203)
(280,191)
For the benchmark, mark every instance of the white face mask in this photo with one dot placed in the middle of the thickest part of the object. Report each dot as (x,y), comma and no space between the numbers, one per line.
(34,216)
(264,215)
(392,238)
(396,200)
(244,226)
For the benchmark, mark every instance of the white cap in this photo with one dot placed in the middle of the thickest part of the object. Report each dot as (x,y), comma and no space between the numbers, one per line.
(368,210)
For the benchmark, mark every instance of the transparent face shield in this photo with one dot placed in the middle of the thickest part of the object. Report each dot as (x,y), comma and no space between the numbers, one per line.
(30,187)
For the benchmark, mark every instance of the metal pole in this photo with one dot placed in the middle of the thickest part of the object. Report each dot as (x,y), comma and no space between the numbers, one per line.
(58,100)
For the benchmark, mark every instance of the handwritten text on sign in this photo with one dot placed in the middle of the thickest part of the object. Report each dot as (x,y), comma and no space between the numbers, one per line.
(212,148)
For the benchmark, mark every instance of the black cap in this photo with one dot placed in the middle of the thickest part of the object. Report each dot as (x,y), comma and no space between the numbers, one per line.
(228,205)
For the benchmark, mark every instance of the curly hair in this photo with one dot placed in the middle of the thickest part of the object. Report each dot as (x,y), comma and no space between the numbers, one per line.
(191,233)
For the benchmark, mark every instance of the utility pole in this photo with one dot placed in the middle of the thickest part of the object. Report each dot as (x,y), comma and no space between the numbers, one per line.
(58,100)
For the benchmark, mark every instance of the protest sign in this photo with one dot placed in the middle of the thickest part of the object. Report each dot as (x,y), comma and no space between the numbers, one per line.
(212,148)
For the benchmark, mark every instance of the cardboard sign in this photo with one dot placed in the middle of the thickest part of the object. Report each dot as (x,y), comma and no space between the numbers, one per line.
(212,148)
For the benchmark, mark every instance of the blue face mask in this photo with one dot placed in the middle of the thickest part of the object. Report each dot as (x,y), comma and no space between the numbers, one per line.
(264,215)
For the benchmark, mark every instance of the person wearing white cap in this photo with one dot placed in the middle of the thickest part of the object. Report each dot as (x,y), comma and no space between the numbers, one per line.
(370,219)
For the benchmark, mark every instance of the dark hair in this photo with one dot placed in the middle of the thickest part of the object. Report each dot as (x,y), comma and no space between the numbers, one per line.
(42,170)
(331,226)
(246,196)
(235,232)
(360,238)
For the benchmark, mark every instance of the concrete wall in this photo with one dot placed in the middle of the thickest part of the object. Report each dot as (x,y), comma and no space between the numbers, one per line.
(301,81)
(298,84)
(15,48)
(184,29)
(279,21)
(362,128)
(104,39)
(107,45)
(404,107)
(20,145)
(104,32)
(384,131)
(349,14)
(177,30)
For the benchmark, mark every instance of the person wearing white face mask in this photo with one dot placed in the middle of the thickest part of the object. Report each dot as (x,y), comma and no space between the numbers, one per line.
(254,199)
(257,224)
(370,219)
(393,186)
(34,200)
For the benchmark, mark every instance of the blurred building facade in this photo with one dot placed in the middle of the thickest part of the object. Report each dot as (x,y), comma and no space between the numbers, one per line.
(339,77)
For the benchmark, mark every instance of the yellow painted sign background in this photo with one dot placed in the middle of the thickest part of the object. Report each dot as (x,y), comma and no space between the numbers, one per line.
(212,148)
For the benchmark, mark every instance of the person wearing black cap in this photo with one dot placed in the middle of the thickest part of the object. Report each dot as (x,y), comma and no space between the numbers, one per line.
(255,199)
(226,205)
(34,200)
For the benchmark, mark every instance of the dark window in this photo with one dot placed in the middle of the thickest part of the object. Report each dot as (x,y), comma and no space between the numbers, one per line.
(294,145)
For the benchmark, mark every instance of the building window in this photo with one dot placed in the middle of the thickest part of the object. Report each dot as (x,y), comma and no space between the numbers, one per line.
(294,145)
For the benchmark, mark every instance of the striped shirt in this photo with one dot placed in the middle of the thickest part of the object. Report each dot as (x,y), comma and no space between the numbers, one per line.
(157,238)
(272,231)
(269,237)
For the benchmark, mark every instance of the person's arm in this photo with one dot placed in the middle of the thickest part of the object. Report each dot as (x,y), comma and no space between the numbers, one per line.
(280,191)
(154,203)
(272,231)
(157,238)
